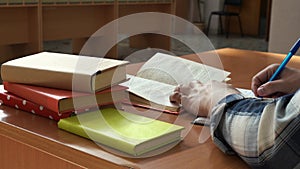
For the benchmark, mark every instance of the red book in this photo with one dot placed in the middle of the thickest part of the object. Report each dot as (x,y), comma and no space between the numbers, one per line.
(61,101)
(12,100)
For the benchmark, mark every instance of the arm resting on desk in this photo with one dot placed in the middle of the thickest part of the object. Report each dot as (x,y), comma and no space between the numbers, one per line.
(265,133)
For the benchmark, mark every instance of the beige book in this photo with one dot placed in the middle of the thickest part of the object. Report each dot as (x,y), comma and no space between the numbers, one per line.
(65,71)
(159,76)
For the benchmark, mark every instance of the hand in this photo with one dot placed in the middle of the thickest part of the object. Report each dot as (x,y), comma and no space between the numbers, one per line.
(287,82)
(198,98)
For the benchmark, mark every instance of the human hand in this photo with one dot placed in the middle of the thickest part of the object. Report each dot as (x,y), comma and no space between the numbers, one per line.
(287,82)
(198,98)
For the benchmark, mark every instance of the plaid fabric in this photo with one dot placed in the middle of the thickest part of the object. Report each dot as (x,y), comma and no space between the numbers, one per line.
(265,133)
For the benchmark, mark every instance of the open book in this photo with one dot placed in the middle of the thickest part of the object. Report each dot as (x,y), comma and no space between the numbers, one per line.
(246,92)
(159,76)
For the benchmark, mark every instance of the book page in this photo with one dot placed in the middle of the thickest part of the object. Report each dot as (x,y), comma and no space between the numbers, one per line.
(150,90)
(246,92)
(174,70)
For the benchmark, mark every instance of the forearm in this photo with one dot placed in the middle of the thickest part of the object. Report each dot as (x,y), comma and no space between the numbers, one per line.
(249,127)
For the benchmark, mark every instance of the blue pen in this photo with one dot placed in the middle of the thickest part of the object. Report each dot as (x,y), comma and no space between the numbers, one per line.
(286,60)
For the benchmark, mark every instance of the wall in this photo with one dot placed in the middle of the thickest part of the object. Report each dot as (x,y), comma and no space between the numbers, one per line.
(206,7)
(249,13)
(284,26)
(212,5)
(183,9)
(188,9)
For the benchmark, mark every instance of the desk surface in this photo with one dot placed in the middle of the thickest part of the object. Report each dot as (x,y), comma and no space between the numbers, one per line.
(30,141)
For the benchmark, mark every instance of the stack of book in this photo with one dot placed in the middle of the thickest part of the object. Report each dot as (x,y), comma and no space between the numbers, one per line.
(56,85)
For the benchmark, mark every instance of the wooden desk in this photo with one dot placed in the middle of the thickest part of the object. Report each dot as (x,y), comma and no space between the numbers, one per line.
(30,141)
(243,64)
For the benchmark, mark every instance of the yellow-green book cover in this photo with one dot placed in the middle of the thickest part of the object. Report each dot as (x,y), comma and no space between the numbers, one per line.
(123,131)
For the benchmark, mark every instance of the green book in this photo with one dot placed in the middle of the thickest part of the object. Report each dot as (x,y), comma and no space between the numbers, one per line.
(123,131)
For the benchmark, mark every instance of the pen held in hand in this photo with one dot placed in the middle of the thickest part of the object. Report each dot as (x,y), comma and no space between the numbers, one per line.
(286,60)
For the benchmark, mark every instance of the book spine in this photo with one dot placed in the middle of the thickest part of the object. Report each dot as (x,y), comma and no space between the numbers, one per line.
(28,106)
(31,95)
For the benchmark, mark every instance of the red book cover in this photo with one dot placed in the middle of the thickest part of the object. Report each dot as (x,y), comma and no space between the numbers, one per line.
(61,101)
(12,100)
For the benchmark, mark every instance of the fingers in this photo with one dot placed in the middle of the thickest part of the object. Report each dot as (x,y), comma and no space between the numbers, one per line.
(256,82)
(263,90)
(271,88)
(198,98)
(286,83)
(175,98)
(177,88)
(183,90)
(262,77)
(188,88)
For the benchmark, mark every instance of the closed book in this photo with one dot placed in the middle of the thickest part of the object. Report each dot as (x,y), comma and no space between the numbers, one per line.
(65,71)
(65,100)
(17,102)
(123,131)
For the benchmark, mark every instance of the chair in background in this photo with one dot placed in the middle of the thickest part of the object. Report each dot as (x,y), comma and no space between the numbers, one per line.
(227,14)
